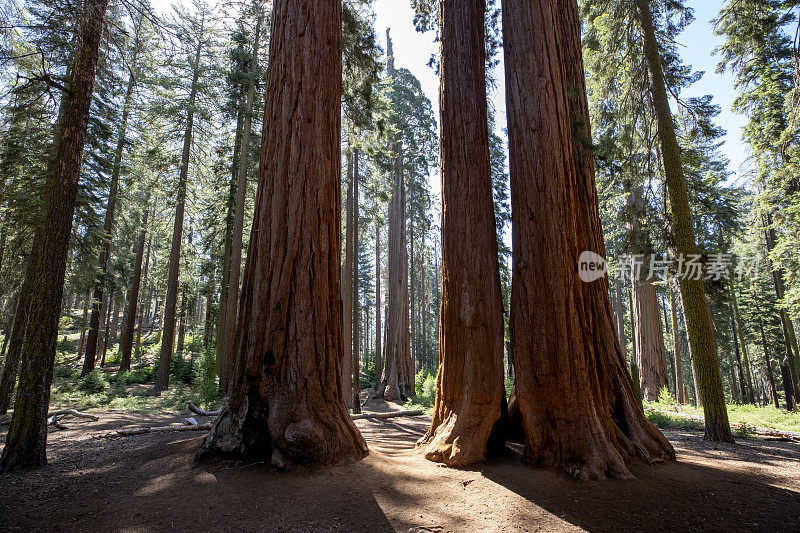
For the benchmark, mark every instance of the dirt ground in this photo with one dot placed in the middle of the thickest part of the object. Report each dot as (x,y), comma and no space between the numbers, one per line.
(146,483)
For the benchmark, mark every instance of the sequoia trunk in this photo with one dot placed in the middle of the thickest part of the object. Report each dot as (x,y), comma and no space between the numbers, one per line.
(576,399)
(469,415)
(286,400)
(649,339)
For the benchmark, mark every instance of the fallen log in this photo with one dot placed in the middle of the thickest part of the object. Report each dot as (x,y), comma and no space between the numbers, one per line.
(193,408)
(152,429)
(392,414)
(52,417)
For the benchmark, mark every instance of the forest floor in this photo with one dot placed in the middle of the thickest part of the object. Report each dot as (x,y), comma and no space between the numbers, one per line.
(146,483)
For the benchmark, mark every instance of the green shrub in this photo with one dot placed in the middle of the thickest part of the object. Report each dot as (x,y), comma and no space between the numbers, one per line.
(182,370)
(92,383)
(64,372)
(209,390)
(666,397)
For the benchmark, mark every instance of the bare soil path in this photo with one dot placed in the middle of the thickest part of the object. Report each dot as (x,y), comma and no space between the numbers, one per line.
(146,483)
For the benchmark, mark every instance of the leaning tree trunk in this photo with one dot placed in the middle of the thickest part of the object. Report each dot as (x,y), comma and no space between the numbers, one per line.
(576,399)
(470,411)
(171,301)
(701,335)
(651,359)
(14,352)
(286,401)
(235,264)
(126,341)
(26,440)
(676,348)
(108,227)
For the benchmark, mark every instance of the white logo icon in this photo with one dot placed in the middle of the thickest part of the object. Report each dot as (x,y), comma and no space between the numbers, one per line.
(591,267)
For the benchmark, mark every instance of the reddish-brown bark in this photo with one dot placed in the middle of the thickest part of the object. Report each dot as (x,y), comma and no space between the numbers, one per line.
(286,400)
(470,398)
(575,396)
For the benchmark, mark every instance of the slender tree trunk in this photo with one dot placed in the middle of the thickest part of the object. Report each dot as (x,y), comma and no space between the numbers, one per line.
(354,302)
(108,309)
(788,391)
(82,341)
(286,401)
(171,302)
(182,324)
(347,291)
(620,313)
(470,412)
(378,329)
(26,440)
(108,228)
(768,364)
(789,337)
(126,342)
(232,304)
(14,353)
(676,348)
(701,336)
(208,333)
(113,326)
(224,288)
(649,340)
(356,381)
(747,394)
(411,289)
(137,348)
(635,377)
(743,343)
(576,400)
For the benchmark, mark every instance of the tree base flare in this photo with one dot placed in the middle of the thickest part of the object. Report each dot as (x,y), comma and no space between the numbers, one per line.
(284,439)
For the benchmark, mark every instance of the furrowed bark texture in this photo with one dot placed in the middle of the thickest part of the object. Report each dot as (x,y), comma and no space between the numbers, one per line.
(26,440)
(698,315)
(575,396)
(470,412)
(286,401)
(650,355)
(398,378)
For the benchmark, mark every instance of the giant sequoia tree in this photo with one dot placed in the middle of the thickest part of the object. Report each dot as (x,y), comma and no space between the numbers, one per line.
(576,400)
(27,437)
(470,397)
(285,399)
